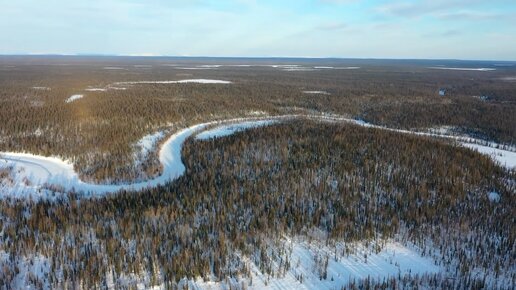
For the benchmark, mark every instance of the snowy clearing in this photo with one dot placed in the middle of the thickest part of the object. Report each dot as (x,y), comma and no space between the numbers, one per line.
(462,68)
(73,98)
(394,259)
(307,270)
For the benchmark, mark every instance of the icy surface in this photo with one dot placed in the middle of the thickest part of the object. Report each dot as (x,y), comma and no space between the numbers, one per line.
(73,98)
(504,157)
(230,129)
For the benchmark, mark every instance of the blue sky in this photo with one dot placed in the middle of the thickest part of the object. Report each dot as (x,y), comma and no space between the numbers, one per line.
(462,29)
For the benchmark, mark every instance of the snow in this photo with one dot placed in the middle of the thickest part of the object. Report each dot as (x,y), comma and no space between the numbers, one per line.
(463,68)
(316,92)
(195,68)
(73,98)
(298,69)
(50,170)
(230,129)
(42,88)
(147,143)
(394,259)
(42,171)
(96,90)
(29,269)
(196,81)
(493,196)
(257,113)
(504,157)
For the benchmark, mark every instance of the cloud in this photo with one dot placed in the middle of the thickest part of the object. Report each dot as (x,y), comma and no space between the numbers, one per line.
(423,7)
(476,16)
(332,26)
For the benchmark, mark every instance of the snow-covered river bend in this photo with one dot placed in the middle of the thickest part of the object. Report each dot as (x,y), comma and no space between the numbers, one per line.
(34,173)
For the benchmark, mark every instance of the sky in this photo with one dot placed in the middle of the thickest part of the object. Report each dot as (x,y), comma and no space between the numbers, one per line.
(443,29)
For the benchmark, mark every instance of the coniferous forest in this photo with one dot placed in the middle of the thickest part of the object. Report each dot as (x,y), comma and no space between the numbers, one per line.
(246,201)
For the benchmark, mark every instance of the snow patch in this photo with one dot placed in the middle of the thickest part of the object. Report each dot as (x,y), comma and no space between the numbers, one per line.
(196,81)
(503,157)
(147,144)
(95,90)
(493,196)
(42,88)
(463,68)
(73,98)
(316,92)
(32,272)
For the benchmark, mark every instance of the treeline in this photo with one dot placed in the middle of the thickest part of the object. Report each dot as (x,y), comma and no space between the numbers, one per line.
(240,192)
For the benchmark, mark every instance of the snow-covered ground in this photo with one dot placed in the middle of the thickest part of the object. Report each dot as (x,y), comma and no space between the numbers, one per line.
(392,260)
(307,267)
(146,144)
(195,81)
(462,68)
(35,173)
(42,88)
(316,92)
(504,157)
(30,270)
(114,68)
(73,98)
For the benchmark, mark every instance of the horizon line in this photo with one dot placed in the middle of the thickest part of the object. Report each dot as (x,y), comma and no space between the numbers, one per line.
(144,55)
